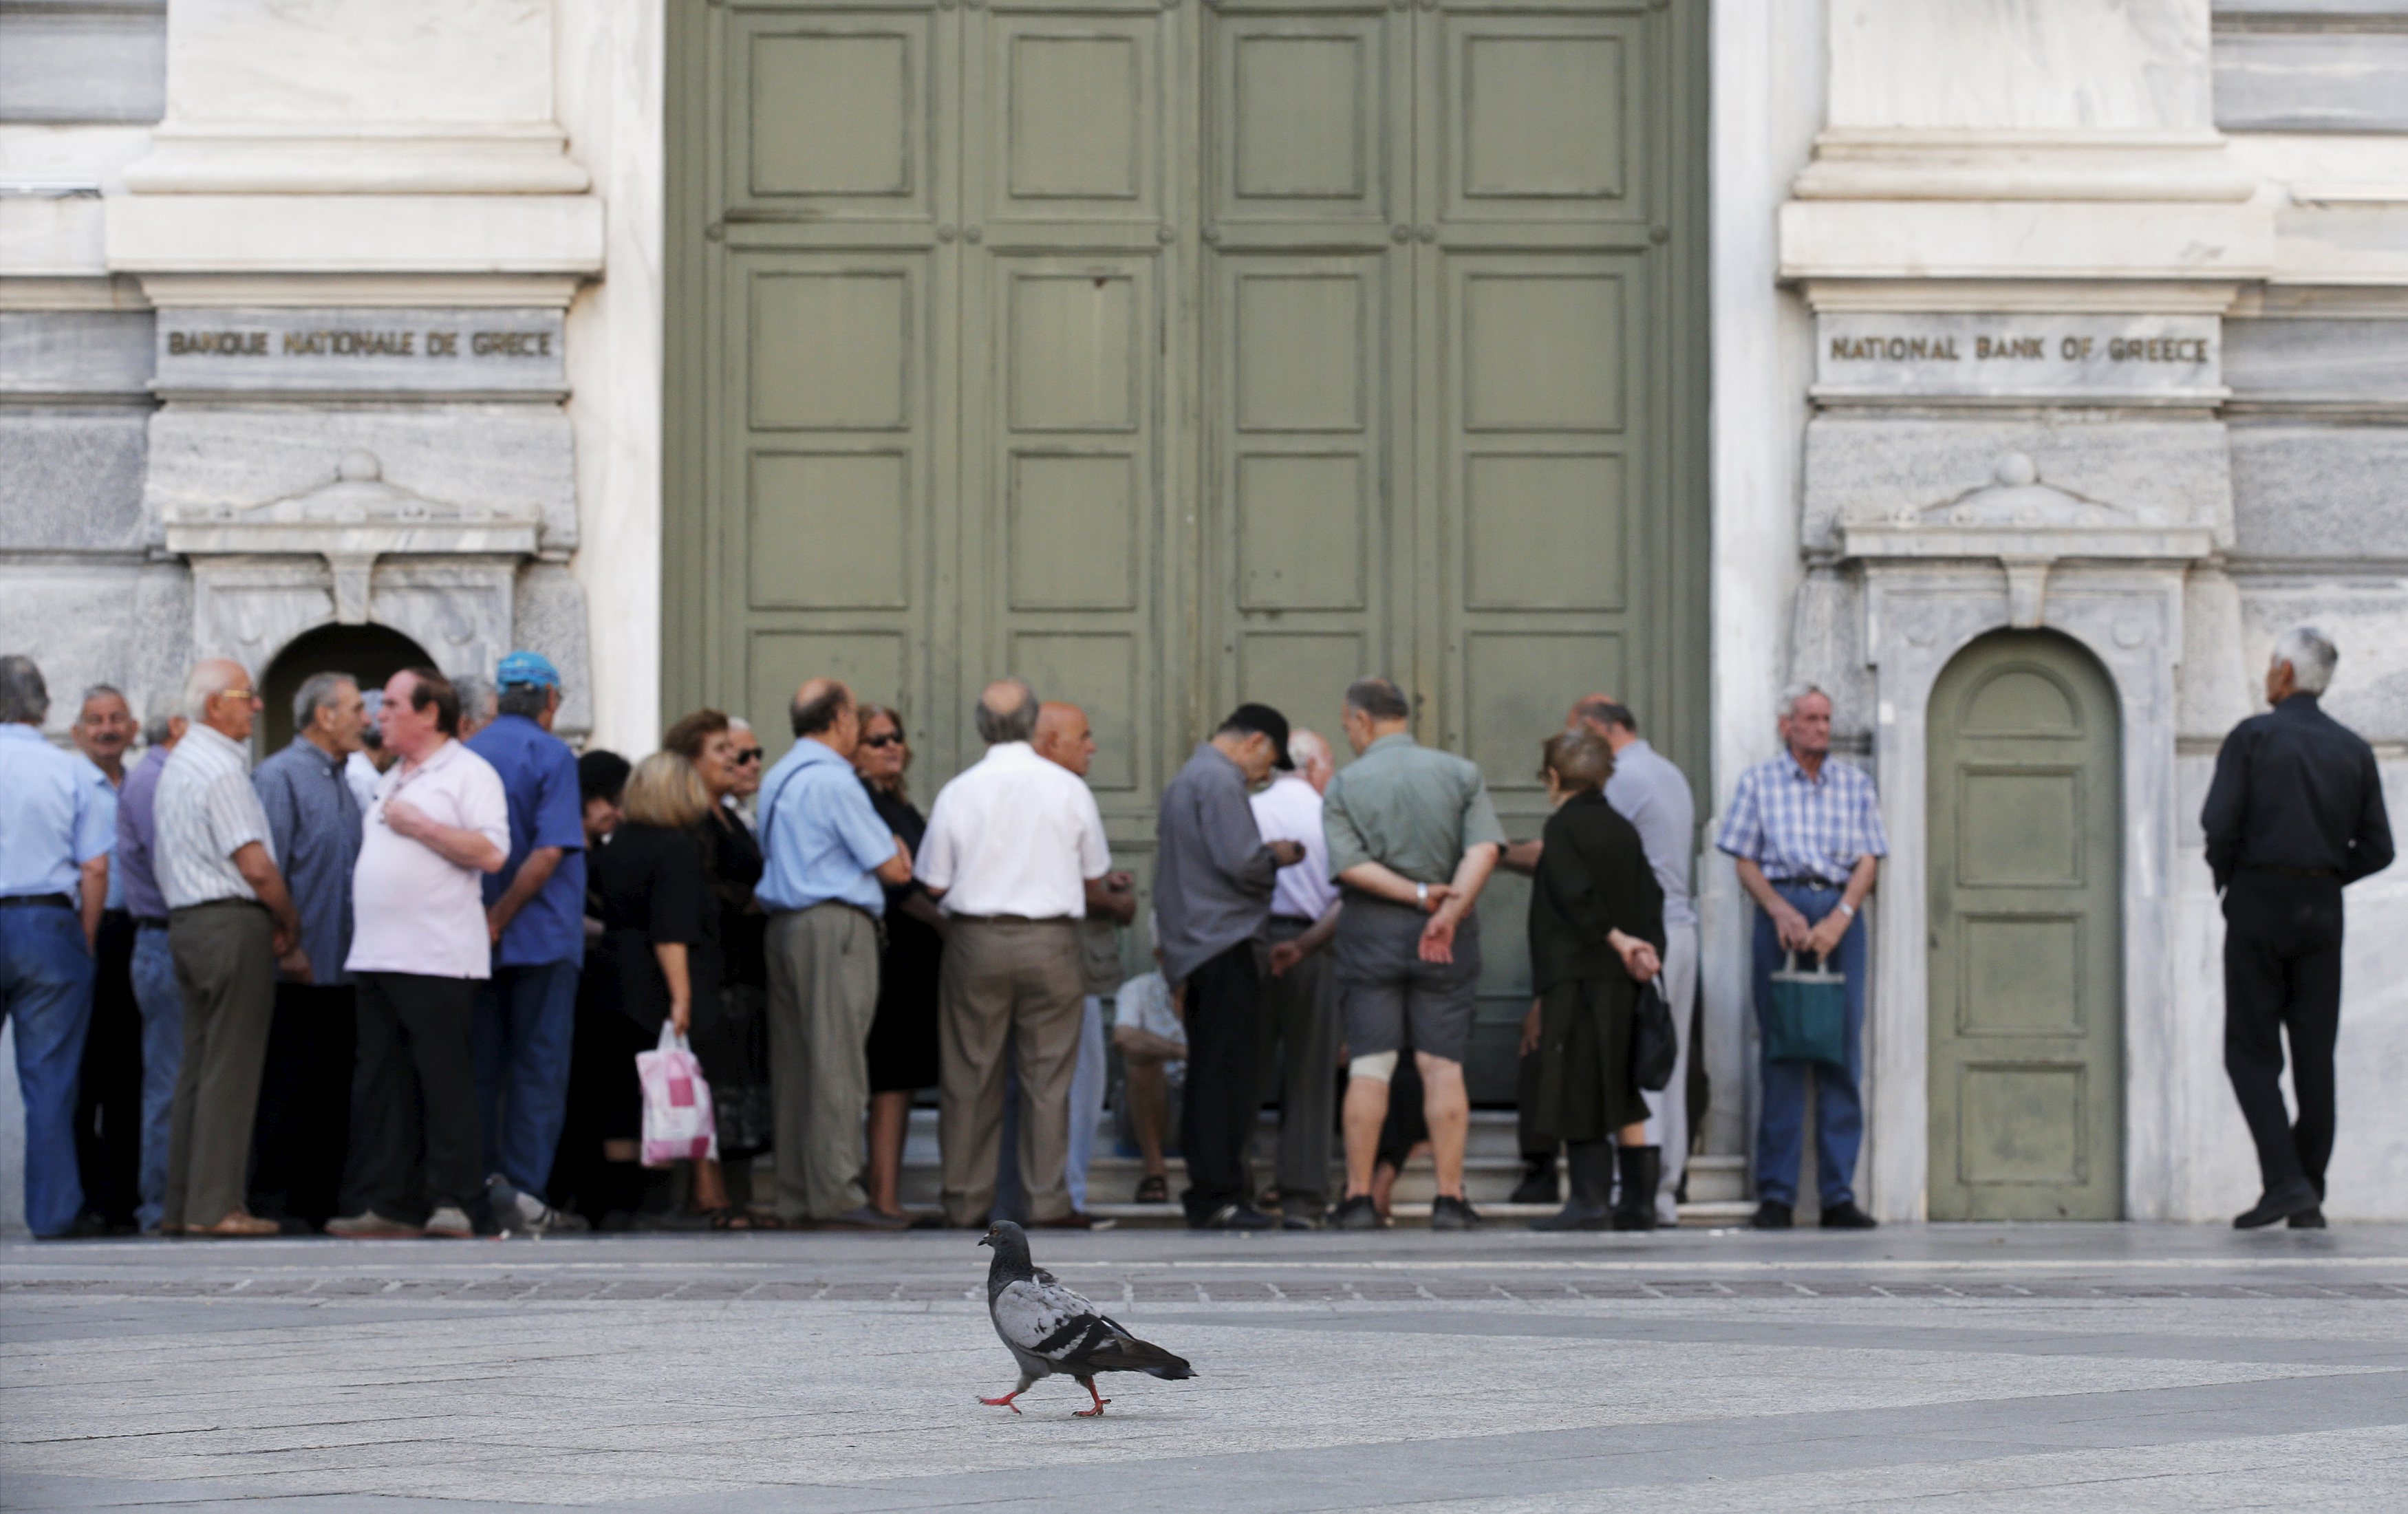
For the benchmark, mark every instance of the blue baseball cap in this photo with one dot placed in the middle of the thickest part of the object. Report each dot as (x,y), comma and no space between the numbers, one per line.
(526,668)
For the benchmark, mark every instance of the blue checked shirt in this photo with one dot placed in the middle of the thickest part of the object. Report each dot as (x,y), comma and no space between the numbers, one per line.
(1797,827)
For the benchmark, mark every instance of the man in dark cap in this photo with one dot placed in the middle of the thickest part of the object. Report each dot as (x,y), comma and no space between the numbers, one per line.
(1212,884)
(2295,814)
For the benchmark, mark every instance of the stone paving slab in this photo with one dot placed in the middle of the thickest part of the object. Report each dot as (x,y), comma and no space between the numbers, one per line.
(2126,1366)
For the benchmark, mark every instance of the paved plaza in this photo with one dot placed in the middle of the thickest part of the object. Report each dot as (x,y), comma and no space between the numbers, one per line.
(2131,1367)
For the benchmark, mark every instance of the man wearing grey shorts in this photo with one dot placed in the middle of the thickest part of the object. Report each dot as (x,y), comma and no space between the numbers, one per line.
(1413,838)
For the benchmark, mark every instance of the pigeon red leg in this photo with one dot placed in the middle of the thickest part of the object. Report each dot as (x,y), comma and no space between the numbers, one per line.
(1005,1402)
(1100,1401)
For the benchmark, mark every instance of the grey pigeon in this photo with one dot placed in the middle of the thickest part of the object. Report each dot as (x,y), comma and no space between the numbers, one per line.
(1050,1329)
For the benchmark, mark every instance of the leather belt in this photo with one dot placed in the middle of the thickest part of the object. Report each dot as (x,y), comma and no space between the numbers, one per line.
(1018,920)
(36,901)
(1806,883)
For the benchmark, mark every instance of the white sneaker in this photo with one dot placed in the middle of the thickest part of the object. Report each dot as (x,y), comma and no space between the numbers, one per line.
(449,1222)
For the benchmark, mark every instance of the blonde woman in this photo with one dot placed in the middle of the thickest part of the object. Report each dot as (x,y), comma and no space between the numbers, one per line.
(653,886)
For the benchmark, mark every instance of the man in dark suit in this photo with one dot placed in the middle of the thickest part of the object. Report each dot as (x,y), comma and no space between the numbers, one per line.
(2294,816)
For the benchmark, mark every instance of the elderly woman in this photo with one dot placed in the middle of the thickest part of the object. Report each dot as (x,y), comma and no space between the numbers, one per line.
(732,1039)
(1597,934)
(651,887)
(903,1036)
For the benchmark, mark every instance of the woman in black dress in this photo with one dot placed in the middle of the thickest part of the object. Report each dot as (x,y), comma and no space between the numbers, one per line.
(903,1036)
(732,1040)
(1597,934)
(652,885)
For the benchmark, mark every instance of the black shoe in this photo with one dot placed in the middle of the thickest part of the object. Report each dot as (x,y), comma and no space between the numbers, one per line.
(1580,1214)
(1641,1172)
(1235,1217)
(1537,1184)
(2311,1219)
(1453,1214)
(1356,1213)
(1771,1215)
(2298,1198)
(1846,1216)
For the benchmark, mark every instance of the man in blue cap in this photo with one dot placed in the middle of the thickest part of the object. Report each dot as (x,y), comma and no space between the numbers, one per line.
(536,909)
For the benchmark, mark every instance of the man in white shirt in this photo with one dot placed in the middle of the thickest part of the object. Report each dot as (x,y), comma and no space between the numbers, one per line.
(1011,847)
(420,946)
(1299,1043)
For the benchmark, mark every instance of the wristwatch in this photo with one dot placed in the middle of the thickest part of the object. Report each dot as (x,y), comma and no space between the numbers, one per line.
(1848,910)
(1421,894)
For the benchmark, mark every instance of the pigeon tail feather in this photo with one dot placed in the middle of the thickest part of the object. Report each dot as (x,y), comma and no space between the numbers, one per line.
(1129,1354)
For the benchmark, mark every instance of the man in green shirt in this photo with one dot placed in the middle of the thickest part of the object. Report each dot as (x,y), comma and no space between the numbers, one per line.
(1413,838)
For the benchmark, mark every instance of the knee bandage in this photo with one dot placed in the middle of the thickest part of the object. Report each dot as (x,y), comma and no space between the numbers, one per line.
(1380,1066)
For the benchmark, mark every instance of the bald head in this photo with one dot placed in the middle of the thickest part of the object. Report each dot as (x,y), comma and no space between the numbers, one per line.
(823,710)
(1007,711)
(1314,759)
(1063,737)
(210,697)
(1607,717)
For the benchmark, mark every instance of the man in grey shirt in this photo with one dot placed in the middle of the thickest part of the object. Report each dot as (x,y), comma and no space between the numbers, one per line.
(1212,885)
(1653,796)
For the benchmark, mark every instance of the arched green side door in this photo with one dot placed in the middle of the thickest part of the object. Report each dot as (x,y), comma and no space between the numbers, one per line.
(2026,1050)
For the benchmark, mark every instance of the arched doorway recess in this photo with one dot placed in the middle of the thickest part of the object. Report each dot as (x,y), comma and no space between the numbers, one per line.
(368,652)
(2026,885)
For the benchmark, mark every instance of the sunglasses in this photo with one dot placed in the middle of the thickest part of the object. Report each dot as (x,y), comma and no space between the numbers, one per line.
(887,739)
(748,756)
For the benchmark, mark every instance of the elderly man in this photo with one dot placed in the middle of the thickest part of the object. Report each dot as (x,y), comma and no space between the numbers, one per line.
(313,829)
(1413,838)
(1012,845)
(534,915)
(1299,1031)
(2294,816)
(827,856)
(478,701)
(1213,880)
(1653,796)
(54,841)
(108,1102)
(230,923)
(1806,834)
(153,966)
(420,945)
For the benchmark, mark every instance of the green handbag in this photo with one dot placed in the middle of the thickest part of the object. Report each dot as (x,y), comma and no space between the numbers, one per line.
(1807,1018)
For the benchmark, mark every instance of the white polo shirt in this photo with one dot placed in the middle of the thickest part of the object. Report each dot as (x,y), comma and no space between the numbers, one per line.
(412,910)
(1015,835)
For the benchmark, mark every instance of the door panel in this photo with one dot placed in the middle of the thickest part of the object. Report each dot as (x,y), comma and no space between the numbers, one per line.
(2026,1025)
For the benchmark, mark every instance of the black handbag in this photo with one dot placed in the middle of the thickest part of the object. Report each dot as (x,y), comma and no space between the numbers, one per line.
(1653,1048)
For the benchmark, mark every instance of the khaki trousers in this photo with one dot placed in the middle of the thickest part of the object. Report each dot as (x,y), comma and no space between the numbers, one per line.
(1009,988)
(225,968)
(823,996)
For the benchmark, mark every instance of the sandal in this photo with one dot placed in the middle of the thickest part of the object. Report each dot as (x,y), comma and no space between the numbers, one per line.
(1154,1188)
(729,1216)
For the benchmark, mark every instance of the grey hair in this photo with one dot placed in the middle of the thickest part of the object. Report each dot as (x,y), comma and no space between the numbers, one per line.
(476,697)
(201,685)
(1306,747)
(24,698)
(527,699)
(1379,698)
(316,693)
(1789,697)
(2310,654)
(159,727)
(104,690)
(737,722)
(1018,724)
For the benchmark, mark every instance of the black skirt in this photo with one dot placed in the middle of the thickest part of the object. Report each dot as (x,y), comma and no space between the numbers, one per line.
(903,1036)
(1587,1089)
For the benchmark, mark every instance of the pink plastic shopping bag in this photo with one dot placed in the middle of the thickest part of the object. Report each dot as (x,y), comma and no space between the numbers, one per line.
(678,1122)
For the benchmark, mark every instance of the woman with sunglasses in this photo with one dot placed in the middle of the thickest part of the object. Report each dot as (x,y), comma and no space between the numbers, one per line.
(732,1040)
(903,1036)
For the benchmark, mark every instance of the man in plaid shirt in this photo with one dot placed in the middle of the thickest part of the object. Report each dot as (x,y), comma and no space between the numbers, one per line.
(1807,835)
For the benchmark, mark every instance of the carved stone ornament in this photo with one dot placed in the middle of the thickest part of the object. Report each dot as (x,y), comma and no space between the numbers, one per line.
(354,513)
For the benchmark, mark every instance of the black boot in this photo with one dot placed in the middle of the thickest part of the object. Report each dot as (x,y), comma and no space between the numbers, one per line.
(1537,1185)
(1643,1169)
(1591,1164)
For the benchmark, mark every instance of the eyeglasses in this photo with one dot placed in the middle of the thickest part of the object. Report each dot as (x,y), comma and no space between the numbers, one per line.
(888,739)
(247,696)
(748,756)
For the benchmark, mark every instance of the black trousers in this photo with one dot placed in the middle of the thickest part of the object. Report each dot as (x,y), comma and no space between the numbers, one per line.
(416,1143)
(1538,1143)
(2282,974)
(303,1132)
(1225,1008)
(109,1098)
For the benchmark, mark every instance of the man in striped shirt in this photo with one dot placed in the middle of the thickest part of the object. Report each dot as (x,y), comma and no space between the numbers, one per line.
(230,923)
(1807,835)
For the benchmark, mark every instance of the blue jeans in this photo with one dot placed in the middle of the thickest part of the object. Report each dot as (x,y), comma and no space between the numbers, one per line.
(162,1055)
(46,977)
(1838,1112)
(525,1022)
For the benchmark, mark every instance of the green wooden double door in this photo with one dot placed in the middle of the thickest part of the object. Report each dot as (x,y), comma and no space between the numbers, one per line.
(1172,355)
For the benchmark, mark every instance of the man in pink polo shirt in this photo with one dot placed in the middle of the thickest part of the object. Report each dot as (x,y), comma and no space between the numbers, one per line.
(420,946)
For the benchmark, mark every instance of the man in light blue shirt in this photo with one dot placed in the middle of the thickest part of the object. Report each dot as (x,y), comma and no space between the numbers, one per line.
(55,834)
(827,854)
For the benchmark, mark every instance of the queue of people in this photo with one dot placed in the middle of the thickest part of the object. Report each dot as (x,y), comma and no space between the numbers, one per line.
(392,983)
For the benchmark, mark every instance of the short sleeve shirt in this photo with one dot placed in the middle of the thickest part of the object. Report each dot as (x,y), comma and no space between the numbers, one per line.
(1799,828)
(53,816)
(414,910)
(539,777)
(1290,810)
(1412,808)
(821,838)
(1015,835)
(204,812)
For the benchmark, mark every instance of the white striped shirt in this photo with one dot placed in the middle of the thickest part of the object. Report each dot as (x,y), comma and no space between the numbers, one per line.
(205,812)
